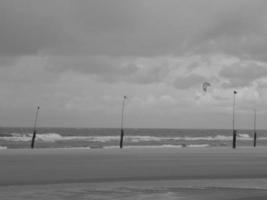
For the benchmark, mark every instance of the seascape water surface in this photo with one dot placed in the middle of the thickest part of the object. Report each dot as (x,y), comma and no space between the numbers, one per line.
(134,138)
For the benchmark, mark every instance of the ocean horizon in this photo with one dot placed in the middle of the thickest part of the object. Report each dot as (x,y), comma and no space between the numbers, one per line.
(106,138)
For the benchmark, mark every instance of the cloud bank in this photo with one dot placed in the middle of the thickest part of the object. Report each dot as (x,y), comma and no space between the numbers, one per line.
(81,56)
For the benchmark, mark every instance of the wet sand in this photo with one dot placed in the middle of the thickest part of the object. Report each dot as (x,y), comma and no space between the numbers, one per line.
(198,173)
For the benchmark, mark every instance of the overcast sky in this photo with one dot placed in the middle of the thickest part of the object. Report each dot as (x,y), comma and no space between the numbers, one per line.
(76,59)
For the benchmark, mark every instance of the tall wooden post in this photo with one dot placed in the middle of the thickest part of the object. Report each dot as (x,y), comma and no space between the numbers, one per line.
(34,127)
(255,133)
(255,139)
(234,139)
(234,131)
(122,118)
(121,140)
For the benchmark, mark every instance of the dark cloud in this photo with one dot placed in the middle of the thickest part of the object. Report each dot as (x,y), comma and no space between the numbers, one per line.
(242,74)
(27,28)
(62,54)
(133,28)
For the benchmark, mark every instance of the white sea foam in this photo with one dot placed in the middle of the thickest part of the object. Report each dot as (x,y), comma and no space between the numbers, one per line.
(74,148)
(144,146)
(54,137)
(207,138)
(144,138)
(156,146)
(197,145)
(244,135)
(3,147)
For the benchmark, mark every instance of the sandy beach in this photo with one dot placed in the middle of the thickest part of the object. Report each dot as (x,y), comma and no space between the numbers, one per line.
(191,173)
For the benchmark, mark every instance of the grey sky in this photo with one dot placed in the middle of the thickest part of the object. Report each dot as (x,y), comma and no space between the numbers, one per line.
(76,59)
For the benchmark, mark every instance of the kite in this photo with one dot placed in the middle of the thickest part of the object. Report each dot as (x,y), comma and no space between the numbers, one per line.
(205,86)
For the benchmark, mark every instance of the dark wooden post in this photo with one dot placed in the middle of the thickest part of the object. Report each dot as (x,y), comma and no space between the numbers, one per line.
(255,139)
(234,131)
(121,140)
(34,128)
(122,118)
(255,133)
(33,138)
(234,139)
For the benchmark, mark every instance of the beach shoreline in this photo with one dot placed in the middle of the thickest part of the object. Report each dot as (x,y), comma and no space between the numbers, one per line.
(196,172)
(38,166)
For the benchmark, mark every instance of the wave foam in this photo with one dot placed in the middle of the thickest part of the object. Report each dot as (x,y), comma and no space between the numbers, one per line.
(244,135)
(54,137)
(144,146)
(197,145)
(156,146)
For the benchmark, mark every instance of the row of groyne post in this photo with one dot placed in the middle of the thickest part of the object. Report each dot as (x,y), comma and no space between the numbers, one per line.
(121,130)
(234,142)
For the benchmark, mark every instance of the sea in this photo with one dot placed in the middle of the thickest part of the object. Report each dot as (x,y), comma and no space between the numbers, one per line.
(107,138)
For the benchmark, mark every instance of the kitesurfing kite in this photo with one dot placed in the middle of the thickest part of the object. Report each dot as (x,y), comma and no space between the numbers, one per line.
(205,86)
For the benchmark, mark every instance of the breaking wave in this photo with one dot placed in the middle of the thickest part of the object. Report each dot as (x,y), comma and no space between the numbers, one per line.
(54,137)
(156,146)
(144,146)
(3,147)
(197,145)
